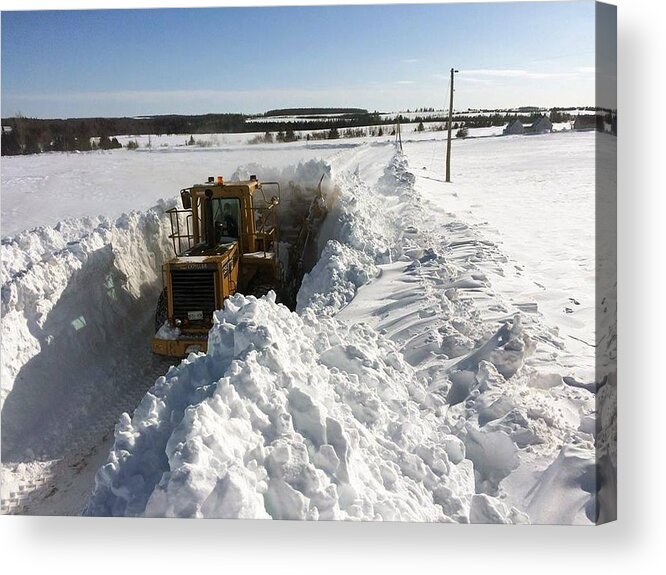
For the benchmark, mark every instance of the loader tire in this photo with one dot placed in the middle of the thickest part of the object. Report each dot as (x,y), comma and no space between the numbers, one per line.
(161,311)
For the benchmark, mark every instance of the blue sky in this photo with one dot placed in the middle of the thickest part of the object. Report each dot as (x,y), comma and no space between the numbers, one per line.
(390,57)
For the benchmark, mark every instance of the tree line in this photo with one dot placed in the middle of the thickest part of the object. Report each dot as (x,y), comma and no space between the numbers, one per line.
(21,135)
(308,112)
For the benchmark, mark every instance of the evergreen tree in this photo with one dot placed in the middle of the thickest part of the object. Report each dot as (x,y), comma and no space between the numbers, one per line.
(10,143)
(290,136)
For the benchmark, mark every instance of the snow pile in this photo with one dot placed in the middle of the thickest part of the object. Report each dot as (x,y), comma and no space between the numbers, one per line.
(78,303)
(290,417)
(359,220)
(436,408)
(522,425)
(302,416)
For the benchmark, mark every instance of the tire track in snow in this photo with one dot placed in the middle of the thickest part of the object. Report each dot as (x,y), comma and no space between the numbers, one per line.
(48,492)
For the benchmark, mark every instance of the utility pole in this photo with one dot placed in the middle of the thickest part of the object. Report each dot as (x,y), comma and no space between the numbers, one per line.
(398,135)
(448,142)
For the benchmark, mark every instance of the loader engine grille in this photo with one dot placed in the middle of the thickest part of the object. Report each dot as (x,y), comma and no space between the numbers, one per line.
(193,295)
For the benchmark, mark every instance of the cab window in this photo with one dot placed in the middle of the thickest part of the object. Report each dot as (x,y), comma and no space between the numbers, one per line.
(226,218)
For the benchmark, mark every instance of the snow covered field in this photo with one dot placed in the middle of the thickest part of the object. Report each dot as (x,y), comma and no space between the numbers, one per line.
(430,372)
(535,198)
(45,189)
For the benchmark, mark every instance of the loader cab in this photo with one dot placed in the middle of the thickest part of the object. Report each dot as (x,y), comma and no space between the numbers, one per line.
(218,213)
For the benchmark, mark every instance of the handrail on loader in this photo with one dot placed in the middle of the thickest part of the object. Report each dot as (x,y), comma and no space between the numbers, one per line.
(266,223)
(186,238)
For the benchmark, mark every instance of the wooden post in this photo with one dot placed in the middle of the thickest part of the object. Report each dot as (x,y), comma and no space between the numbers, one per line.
(398,134)
(448,142)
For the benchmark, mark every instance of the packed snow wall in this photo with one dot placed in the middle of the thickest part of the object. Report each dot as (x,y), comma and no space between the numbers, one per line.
(78,302)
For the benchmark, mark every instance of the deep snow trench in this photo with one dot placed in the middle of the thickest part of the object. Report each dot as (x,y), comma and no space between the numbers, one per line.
(78,304)
(401,388)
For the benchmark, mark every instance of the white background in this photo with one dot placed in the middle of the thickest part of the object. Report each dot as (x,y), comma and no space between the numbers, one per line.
(633,544)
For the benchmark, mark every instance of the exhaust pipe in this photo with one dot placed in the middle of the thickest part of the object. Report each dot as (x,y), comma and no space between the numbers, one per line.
(209,224)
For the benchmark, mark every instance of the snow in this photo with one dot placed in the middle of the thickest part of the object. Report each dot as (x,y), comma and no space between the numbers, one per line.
(535,198)
(69,295)
(419,377)
(45,189)
(290,417)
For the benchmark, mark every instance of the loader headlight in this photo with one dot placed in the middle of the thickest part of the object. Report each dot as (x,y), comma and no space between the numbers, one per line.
(177,322)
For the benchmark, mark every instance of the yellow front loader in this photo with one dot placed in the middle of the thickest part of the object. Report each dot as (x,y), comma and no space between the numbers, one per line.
(226,240)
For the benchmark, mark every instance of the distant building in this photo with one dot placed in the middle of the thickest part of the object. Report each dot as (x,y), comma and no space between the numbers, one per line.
(585,122)
(514,127)
(541,125)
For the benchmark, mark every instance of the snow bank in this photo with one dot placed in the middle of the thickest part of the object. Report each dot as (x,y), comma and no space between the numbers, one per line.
(358,235)
(334,280)
(507,403)
(39,265)
(73,297)
(432,414)
(289,417)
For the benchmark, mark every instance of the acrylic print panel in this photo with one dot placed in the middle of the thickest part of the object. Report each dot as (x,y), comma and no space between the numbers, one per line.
(368,278)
